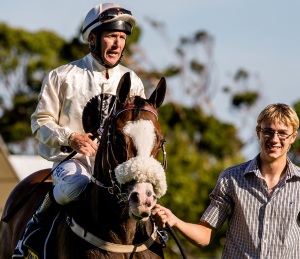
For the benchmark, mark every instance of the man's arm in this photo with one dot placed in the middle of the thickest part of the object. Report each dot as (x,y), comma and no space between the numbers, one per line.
(198,234)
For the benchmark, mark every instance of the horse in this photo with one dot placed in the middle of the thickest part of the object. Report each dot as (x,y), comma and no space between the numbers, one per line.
(112,217)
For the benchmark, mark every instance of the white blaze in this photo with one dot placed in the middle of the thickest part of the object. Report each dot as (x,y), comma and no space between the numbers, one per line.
(142,134)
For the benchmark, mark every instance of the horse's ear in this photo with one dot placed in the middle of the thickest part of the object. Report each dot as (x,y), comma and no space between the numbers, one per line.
(158,96)
(123,88)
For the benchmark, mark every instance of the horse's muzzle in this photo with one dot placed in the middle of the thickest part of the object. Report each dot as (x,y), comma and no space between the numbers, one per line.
(141,201)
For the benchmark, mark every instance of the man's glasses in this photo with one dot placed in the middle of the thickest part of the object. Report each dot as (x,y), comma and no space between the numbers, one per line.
(112,13)
(267,133)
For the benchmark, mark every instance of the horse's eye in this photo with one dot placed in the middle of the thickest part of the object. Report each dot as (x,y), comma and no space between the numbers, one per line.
(149,193)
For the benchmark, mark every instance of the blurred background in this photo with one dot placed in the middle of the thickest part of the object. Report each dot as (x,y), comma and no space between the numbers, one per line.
(224,61)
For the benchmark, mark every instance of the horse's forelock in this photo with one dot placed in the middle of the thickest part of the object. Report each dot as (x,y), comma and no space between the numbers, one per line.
(138,102)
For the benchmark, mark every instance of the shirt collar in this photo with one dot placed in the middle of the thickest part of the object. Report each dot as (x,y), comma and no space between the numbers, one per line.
(99,68)
(292,170)
(253,167)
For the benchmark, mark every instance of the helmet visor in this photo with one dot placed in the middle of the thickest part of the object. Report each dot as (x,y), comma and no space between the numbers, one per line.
(112,13)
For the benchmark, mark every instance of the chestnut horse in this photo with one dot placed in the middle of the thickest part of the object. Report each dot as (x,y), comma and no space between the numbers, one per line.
(111,219)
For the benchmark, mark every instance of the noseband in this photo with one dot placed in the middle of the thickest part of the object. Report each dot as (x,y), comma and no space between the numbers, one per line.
(115,186)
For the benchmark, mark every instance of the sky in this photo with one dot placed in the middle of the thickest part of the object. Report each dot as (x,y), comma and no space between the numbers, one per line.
(260,36)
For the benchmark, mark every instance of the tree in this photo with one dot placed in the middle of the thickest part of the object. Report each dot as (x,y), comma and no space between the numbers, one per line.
(25,59)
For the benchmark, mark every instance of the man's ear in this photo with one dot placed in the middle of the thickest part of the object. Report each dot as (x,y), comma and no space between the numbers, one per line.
(92,39)
(294,136)
(257,132)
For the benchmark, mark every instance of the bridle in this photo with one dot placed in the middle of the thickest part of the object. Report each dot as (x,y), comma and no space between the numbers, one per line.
(115,187)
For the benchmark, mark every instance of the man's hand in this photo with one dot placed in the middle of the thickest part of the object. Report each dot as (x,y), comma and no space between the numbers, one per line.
(161,215)
(83,144)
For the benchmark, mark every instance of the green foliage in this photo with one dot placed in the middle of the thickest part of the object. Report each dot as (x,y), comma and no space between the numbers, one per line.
(246,98)
(198,37)
(133,38)
(242,98)
(42,43)
(15,124)
(25,60)
(197,67)
(241,74)
(73,50)
(207,133)
(168,71)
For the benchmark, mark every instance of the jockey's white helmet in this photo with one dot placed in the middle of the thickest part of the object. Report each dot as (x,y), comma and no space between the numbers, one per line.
(108,16)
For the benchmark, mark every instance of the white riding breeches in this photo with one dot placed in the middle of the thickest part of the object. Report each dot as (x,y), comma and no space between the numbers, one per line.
(70,179)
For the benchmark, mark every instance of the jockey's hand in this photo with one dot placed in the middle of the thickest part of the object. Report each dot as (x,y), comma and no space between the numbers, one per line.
(161,215)
(83,144)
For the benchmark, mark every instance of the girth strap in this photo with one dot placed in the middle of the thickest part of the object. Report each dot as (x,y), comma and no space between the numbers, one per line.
(111,247)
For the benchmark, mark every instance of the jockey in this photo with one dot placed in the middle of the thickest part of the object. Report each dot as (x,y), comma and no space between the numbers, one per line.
(62,120)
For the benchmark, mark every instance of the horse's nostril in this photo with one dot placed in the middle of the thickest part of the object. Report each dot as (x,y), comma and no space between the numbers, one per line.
(134,197)
(145,215)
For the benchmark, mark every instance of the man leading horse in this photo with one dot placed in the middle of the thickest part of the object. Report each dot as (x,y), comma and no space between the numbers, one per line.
(58,122)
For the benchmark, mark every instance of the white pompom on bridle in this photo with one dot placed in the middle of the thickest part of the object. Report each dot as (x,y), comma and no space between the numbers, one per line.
(143,169)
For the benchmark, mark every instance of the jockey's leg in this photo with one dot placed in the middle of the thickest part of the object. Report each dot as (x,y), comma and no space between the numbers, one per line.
(70,180)
(43,215)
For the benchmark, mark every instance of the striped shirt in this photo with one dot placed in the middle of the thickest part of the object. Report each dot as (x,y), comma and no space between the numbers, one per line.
(260,225)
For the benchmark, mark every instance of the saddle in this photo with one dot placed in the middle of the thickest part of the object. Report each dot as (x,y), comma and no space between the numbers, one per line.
(39,241)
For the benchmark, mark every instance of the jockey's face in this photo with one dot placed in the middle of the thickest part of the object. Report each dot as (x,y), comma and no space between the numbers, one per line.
(112,45)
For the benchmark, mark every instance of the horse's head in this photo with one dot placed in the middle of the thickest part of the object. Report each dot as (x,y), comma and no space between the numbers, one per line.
(134,138)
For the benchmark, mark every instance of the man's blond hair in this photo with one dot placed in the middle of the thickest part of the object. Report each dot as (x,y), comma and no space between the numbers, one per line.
(278,112)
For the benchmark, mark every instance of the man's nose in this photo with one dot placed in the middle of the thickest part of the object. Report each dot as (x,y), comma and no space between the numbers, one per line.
(275,134)
(117,42)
